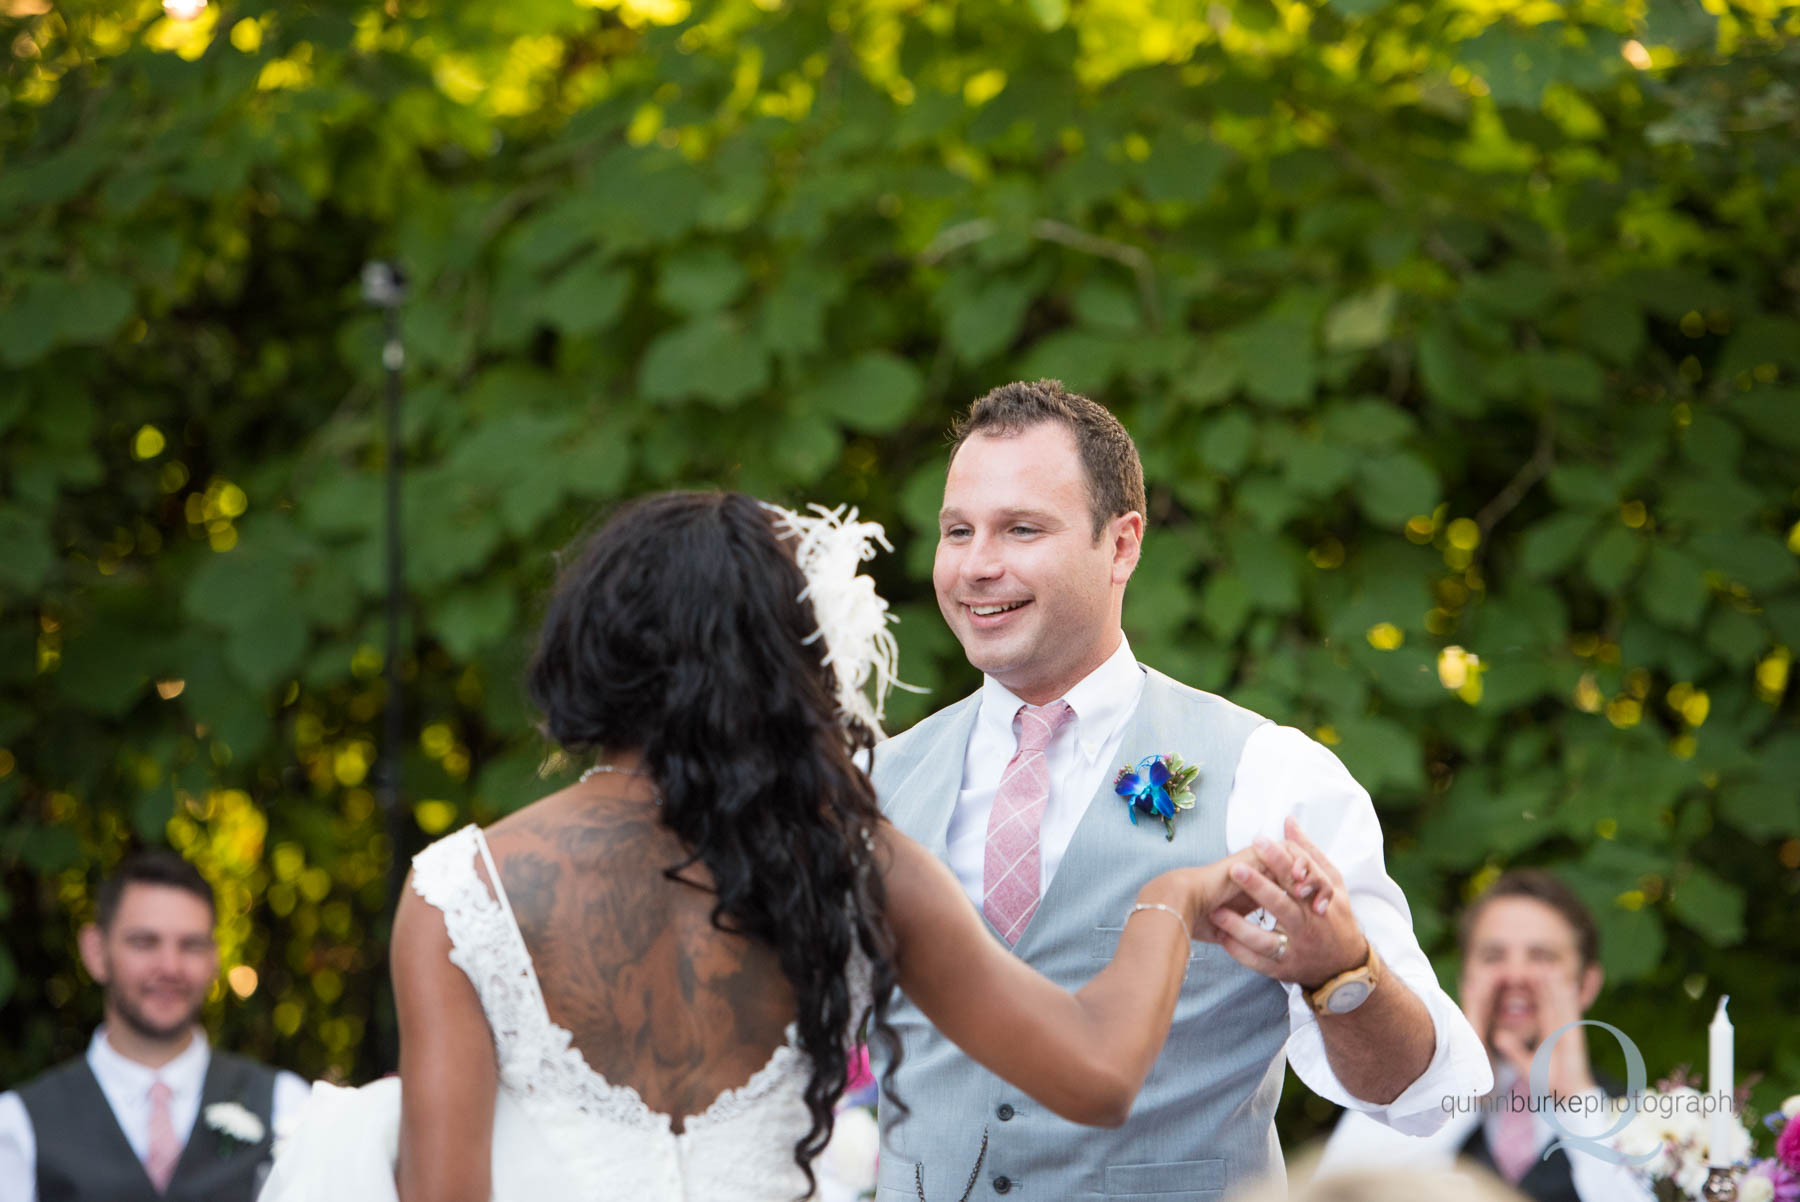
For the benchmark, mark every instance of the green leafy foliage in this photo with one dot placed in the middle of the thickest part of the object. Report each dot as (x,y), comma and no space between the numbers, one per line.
(1460,342)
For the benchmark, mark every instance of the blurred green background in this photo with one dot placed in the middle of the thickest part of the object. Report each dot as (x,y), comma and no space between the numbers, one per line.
(1461,339)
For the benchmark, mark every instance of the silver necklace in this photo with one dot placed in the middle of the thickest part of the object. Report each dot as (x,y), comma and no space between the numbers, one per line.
(597,769)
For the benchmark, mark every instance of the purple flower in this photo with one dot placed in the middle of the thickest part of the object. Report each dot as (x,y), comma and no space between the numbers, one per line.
(1785,1181)
(1787,1146)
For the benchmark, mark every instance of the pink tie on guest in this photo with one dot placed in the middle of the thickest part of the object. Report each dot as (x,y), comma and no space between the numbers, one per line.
(1010,869)
(1515,1136)
(165,1148)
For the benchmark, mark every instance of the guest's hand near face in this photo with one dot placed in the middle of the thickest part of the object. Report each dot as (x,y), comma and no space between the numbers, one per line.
(1558,1004)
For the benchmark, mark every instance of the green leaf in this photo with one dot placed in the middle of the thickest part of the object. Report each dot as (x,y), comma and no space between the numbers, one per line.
(1108,307)
(1362,321)
(1613,558)
(1395,486)
(26,552)
(709,358)
(1710,906)
(1736,637)
(474,617)
(700,281)
(1448,371)
(1632,942)
(874,392)
(1227,442)
(1382,755)
(1551,545)
(1367,423)
(585,299)
(984,321)
(1225,605)
(1675,591)
(1582,486)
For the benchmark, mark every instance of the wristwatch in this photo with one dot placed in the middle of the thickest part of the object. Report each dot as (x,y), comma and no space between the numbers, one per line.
(1348,990)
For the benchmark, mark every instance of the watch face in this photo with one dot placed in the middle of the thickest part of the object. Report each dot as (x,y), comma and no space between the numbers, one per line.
(1347,997)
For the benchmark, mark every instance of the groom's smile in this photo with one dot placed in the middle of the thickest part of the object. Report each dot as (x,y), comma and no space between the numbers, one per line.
(1030,592)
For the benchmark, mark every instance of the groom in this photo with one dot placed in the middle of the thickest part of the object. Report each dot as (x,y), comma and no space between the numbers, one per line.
(1013,787)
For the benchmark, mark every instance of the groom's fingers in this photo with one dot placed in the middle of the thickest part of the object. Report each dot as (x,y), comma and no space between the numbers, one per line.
(1287,867)
(1320,859)
(1267,894)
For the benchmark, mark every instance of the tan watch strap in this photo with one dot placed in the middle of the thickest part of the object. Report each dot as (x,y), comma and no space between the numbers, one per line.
(1369,972)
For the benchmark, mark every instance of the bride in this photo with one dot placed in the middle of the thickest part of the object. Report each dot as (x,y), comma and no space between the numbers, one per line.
(643,986)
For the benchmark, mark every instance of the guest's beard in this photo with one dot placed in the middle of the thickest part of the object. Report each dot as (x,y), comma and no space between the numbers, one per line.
(141,1024)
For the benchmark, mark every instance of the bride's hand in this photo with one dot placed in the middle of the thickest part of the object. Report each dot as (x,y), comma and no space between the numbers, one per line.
(1197,892)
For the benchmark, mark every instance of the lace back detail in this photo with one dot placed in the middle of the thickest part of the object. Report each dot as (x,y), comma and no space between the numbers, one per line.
(538,1059)
(484,940)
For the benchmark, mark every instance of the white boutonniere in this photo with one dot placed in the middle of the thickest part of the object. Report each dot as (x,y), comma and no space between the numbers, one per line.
(235,1124)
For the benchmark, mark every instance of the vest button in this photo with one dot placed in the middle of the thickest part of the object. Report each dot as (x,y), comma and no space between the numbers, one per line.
(1004,1112)
(1002,1184)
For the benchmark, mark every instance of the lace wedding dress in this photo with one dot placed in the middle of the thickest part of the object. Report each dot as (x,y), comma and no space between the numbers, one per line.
(561,1130)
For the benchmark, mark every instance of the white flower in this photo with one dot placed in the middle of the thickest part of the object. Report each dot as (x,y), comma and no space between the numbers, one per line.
(235,1122)
(846,1167)
(1791,1107)
(1756,1189)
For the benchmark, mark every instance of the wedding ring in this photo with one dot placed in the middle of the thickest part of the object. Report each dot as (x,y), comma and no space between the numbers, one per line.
(1281,942)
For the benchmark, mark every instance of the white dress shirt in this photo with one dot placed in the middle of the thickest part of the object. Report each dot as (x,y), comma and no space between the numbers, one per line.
(126,1084)
(1282,772)
(1357,1142)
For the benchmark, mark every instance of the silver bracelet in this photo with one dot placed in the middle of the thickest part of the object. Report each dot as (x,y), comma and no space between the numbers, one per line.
(1165,910)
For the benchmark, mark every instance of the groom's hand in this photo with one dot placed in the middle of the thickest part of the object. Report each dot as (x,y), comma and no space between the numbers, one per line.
(1315,937)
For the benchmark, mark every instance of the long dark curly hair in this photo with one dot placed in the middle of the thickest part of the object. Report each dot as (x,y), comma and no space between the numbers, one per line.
(678,630)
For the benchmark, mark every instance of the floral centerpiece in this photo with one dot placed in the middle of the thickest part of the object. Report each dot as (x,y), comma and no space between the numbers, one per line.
(1777,1178)
(1672,1125)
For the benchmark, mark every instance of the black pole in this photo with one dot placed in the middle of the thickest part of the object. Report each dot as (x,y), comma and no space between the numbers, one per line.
(385,288)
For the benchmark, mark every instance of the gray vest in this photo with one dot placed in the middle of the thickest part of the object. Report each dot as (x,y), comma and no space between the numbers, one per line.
(1204,1122)
(83,1156)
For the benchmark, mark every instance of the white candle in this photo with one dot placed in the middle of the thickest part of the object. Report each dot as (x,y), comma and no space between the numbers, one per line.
(1720,1083)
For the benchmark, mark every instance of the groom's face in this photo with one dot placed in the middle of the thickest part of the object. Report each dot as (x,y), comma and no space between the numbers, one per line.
(1028,590)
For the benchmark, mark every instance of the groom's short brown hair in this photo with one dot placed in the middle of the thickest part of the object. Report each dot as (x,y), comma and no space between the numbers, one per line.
(1109,459)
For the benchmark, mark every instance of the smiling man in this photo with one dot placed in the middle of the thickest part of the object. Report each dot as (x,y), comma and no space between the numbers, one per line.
(1014,787)
(1530,965)
(125,1122)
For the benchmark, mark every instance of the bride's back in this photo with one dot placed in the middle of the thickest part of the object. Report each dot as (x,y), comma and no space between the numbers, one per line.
(652,993)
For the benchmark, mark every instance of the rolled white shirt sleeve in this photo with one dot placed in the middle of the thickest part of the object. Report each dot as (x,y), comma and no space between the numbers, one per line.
(1284,773)
(18,1151)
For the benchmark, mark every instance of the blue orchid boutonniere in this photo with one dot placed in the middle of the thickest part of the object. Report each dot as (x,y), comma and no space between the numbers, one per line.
(1157,786)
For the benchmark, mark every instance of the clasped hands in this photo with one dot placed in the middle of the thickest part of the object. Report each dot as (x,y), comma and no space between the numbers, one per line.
(1315,936)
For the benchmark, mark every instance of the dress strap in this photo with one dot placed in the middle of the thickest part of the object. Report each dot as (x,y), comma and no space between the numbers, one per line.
(486,943)
(499,891)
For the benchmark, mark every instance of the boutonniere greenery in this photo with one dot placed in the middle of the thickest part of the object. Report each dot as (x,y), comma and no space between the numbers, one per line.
(235,1124)
(1157,786)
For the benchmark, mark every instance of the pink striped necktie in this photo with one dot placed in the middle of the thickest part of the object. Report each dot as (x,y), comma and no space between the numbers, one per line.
(1011,867)
(1515,1136)
(165,1148)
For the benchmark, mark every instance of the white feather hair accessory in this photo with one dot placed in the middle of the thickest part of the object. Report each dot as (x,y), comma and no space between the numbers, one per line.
(831,545)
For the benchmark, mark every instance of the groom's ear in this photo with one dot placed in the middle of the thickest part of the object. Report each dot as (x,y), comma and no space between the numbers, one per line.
(1126,533)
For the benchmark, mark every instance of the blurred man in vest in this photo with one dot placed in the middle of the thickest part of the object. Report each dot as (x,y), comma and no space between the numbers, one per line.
(150,1111)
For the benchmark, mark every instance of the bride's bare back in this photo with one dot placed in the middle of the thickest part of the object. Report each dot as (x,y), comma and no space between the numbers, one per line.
(653,995)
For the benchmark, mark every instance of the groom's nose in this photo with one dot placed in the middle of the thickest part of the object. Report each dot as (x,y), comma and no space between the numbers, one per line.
(982,559)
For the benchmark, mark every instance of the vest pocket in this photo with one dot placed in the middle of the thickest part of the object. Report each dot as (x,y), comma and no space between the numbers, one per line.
(1175,1181)
(894,1180)
(1104,941)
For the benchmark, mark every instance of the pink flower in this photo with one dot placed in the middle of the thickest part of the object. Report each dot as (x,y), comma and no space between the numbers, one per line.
(1785,1182)
(1787,1145)
(858,1076)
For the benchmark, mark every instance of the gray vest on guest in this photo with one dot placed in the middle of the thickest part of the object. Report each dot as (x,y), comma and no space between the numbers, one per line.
(83,1156)
(1204,1122)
